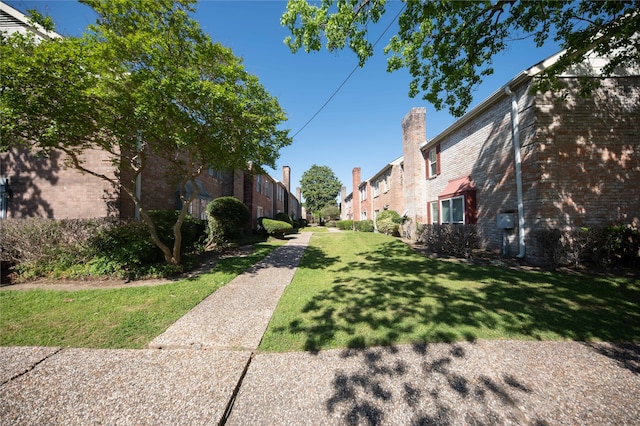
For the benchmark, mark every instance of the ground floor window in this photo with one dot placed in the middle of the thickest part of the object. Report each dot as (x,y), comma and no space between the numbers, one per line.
(433,211)
(452,210)
(198,208)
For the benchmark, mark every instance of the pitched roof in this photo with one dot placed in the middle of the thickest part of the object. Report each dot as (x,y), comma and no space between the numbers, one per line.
(12,20)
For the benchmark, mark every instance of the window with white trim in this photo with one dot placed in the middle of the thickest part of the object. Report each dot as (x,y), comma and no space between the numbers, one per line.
(433,162)
(434,212)
(363,193)
(452,210)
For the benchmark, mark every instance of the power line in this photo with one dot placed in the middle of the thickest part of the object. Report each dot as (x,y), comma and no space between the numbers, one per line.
(348,77)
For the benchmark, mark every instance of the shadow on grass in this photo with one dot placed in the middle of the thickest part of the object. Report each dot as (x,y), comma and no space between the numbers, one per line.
(410,297)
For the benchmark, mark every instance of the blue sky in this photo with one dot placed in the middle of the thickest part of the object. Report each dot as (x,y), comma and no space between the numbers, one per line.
(360,126)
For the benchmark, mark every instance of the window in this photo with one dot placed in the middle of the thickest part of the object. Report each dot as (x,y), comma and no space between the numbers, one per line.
(452,210)
(363,215)
(215,173)
(376,188)
(363,193)
(260,211)
(433,162)
(434,213)
(259,184)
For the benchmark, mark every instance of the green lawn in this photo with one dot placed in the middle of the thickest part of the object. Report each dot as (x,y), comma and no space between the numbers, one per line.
(116,318)
(359,289)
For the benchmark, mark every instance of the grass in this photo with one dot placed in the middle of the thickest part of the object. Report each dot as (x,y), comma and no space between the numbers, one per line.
(116,318)
(359,289)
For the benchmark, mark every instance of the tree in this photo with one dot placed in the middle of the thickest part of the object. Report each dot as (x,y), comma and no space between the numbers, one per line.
(143,81)
(448,46)
(319,186)
(330,211)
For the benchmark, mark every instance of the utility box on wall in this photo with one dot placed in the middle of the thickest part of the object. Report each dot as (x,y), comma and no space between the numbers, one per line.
(506,220)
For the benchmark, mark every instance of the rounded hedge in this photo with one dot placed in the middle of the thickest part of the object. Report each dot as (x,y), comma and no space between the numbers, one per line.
(228,218)
(388,222)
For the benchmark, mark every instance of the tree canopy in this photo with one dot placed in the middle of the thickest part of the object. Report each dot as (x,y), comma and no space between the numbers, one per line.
(448,46)
(143,81)
(319,187)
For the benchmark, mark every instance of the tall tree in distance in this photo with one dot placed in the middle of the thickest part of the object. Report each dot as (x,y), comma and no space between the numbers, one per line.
(144,80)
(448,46)
(319,187)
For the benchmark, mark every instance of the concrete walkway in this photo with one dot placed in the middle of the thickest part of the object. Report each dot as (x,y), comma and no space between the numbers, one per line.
(209,373)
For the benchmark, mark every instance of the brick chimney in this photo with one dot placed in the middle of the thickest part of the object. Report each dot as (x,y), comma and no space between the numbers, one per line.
(286,178)
(414,134)
(355,181)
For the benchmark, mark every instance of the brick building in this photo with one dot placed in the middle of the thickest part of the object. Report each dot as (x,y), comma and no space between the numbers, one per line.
(520,162)
(33,186)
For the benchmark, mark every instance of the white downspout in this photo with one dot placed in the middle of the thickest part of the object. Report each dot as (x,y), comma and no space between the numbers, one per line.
(515,133)
(138,189)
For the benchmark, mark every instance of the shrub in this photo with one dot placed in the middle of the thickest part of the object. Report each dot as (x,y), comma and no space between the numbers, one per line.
(276,228)
(192,230)
(345,225)
(615,244)
(550,246)
(450,240)
(228,219)
(300,223)
(364,226)
(283,217)
(39,240)
(123,250)
(388,222)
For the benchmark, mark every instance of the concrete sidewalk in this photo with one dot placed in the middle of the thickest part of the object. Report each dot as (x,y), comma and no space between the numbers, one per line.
(209,373)
(236,316)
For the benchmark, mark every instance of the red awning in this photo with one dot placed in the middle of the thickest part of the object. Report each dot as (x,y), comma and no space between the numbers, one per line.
(457,187)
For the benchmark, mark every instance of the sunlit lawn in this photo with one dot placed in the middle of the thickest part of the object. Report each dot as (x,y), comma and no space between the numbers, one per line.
(116,318)
(359,289)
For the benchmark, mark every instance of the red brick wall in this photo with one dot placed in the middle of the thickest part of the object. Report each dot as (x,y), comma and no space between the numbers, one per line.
(44,187)
(355,200)
(588,157)
(393,197)
(414,134)
(482,149)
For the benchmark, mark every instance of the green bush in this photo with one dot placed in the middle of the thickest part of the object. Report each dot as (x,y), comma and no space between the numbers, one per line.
(300,223)
(124,250)
(228,219)
(276,228)
(388,222)
(192,230)
(80,248)
(364,226)
(283,217)
(610,245)
(345,225)
(617,244)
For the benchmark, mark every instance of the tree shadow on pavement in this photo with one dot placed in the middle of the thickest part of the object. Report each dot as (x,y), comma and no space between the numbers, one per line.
(424,385)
